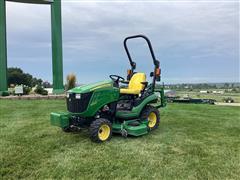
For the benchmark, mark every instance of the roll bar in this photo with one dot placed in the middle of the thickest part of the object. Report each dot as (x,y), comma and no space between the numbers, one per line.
(133,64)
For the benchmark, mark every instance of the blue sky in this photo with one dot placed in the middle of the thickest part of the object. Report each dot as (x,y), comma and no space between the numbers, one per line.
(194,41)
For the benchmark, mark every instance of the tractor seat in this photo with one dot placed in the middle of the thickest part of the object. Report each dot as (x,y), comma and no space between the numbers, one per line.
(135,85)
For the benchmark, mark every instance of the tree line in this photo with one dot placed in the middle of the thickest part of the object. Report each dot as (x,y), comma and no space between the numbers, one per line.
(16,76)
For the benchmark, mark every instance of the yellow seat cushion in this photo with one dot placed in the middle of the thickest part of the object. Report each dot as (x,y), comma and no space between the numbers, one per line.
(135,85)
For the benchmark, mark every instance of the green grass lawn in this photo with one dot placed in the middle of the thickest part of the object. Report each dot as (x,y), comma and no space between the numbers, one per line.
(192,142)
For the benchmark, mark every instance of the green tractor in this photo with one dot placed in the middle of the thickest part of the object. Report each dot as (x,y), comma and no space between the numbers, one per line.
(127,107)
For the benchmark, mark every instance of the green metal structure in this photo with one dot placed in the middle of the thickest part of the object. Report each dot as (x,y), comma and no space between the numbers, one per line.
(110,106)
(56,26)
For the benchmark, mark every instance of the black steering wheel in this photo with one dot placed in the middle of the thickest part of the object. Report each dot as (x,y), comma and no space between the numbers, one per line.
(116,78)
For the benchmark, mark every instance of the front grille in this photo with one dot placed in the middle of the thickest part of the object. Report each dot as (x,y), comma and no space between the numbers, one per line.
(78,105)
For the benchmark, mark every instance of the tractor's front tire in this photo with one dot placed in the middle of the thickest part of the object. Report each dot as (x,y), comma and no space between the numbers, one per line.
(100,130)
(152,115)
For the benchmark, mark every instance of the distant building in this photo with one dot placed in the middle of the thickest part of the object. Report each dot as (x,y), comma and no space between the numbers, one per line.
(170,93)
(186,96)
(49,90)
(218,92)
(204,92)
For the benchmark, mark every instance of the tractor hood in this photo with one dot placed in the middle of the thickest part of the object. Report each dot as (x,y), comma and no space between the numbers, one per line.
(91,87)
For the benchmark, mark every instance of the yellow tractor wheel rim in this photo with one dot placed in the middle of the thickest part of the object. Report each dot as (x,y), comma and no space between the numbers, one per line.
(104,132)
(152,120)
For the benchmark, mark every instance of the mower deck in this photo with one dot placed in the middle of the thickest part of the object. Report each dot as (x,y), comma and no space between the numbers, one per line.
(128,128)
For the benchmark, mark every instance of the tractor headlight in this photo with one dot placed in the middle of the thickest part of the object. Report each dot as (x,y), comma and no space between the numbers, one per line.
(78,96)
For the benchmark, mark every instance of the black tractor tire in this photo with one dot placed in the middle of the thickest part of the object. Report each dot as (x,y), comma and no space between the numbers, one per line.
(97,126)
(151,111)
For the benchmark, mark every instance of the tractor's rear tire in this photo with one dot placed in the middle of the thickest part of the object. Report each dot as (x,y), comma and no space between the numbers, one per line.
(152,115)
(100,130)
